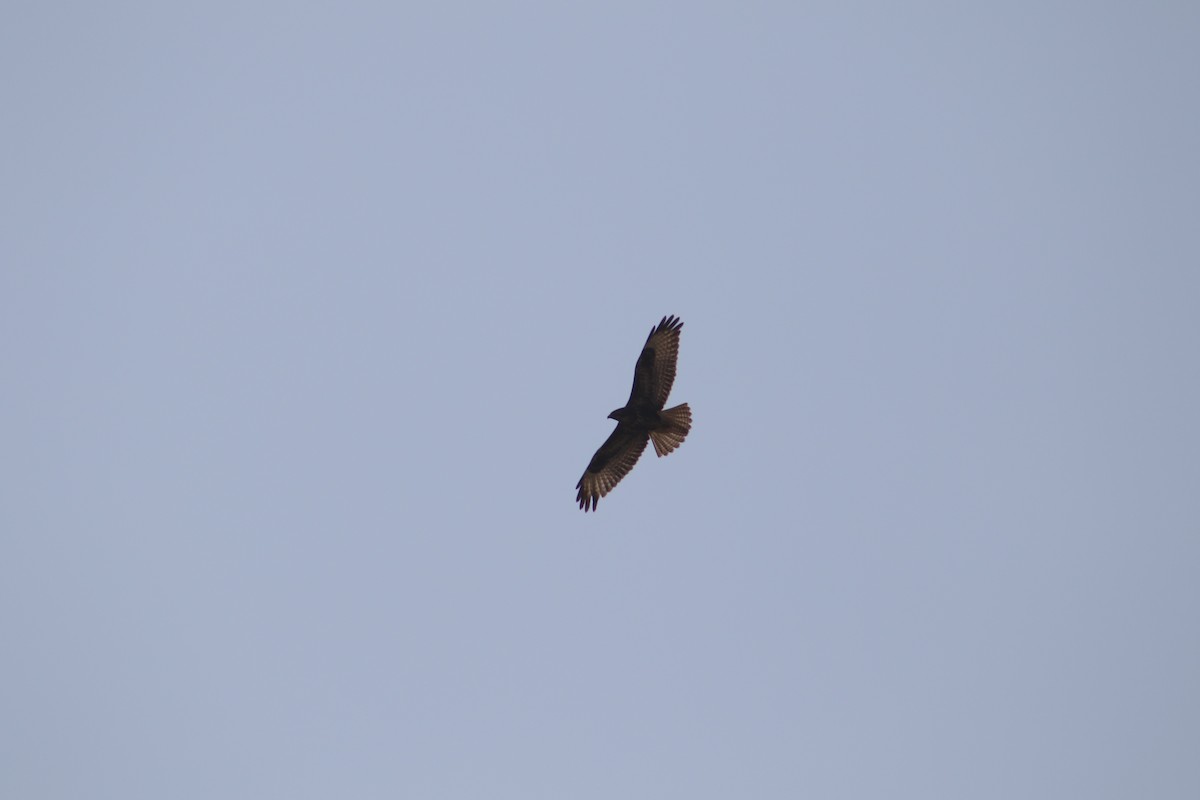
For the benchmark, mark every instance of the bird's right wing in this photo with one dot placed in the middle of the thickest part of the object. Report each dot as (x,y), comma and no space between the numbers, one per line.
(612,462)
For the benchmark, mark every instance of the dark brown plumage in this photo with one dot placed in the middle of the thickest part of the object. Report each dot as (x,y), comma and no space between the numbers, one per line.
(642,419)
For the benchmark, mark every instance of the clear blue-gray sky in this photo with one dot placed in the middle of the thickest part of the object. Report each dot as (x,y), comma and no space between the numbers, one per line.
(311,315)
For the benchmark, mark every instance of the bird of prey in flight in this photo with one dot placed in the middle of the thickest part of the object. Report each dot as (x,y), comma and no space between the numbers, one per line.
(642,419)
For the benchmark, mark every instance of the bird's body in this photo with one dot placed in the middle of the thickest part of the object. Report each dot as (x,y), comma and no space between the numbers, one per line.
(642,419)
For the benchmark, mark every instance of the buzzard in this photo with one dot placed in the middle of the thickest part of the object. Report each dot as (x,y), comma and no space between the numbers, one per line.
(642,419)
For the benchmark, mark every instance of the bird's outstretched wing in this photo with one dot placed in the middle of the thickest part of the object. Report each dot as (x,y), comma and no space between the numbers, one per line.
(655,370)
(612,462)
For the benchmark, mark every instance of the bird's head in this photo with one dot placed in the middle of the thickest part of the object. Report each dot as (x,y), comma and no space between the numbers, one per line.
(619,414)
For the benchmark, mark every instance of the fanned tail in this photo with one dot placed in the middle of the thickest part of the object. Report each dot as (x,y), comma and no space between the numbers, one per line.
(677,422)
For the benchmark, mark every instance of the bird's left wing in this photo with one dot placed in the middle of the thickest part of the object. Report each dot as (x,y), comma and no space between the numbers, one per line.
(655,371)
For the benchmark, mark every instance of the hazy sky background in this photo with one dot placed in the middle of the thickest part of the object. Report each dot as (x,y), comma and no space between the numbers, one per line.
(311,315)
